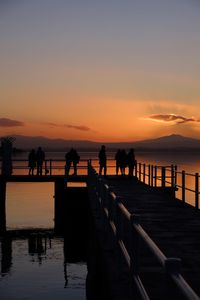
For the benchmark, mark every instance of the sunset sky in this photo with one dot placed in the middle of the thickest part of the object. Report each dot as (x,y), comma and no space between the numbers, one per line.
(108,70)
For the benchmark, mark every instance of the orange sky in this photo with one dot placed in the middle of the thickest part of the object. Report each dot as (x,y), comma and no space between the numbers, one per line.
(103,72)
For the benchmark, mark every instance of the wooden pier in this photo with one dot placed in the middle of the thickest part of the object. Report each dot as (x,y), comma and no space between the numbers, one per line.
(171,224)
(149,241)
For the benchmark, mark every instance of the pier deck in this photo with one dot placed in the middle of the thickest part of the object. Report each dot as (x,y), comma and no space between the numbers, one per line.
(172,225)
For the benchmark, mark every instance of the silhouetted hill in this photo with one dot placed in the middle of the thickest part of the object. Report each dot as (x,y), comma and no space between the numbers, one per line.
(28,142)
(173,142)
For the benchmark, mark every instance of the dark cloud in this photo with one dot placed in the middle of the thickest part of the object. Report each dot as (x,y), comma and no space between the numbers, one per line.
(171,118)
(77,127)
(52,124)
(5,122)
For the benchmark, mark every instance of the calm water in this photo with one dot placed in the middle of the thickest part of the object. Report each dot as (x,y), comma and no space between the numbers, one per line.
(39,273)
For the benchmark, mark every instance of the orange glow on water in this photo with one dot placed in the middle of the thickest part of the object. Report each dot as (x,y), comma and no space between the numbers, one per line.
(30,205)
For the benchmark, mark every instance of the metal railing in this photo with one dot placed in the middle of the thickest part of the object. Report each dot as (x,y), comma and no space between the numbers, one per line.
(128,234)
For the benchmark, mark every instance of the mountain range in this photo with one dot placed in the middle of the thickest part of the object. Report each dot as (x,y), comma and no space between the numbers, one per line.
(174,142)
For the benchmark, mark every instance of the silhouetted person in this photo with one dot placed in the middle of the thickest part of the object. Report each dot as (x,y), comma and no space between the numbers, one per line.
(32,161)
(71,157)
(75,160)
(131,162)
(102,160)
(68,162)
(117,158)
(40,157)
(123,161)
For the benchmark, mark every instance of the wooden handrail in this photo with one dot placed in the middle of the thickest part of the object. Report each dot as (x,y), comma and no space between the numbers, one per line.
(170,265)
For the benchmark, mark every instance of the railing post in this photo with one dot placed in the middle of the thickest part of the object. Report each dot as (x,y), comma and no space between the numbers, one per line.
(136,168)
(172,176)
(155,175)
(183,186)
(105,197)
(172,267)
(144,172)
(149,174)
(163,176)
(134,247)
(50,167)
(152,175)
(140,171)
(175,175)
(45,167)
(196,190)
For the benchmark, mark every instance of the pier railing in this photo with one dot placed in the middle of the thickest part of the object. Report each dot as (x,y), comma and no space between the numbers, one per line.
(129,234)
(154,175)
(186,183)
(50,167)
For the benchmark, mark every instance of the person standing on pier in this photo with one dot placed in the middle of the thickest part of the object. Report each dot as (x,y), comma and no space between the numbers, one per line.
(68,161)
(123,161)
(102,160)
(117,159)
(40,157)
(131,162)
(71,157)
(75,160)
(31,162)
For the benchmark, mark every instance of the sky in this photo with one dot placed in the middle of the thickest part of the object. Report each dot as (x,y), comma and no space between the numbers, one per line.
(108,70)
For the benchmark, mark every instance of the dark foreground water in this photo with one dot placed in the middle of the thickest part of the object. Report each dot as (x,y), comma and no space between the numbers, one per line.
(39,269)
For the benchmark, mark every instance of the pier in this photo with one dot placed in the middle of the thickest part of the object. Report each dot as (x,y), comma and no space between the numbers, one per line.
(148,240)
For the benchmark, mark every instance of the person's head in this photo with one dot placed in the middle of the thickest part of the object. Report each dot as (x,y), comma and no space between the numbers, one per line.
(103,147)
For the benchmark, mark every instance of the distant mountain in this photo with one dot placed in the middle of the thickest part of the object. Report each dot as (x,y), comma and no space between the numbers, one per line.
(29,142)
(174,142)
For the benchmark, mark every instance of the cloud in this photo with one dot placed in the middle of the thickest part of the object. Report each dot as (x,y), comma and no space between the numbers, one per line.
(81,127)
(76,127)
(5,122)
(171,118)
(51,124)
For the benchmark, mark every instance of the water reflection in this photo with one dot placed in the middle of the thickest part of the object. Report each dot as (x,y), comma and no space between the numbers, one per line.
(48,273)
(6,256)
(37,245)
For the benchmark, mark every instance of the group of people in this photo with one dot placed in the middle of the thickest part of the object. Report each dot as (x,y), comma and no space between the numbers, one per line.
(72,158)
(36,160)
(122,159)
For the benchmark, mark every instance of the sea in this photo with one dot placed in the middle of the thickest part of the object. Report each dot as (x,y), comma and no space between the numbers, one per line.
(28,273)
